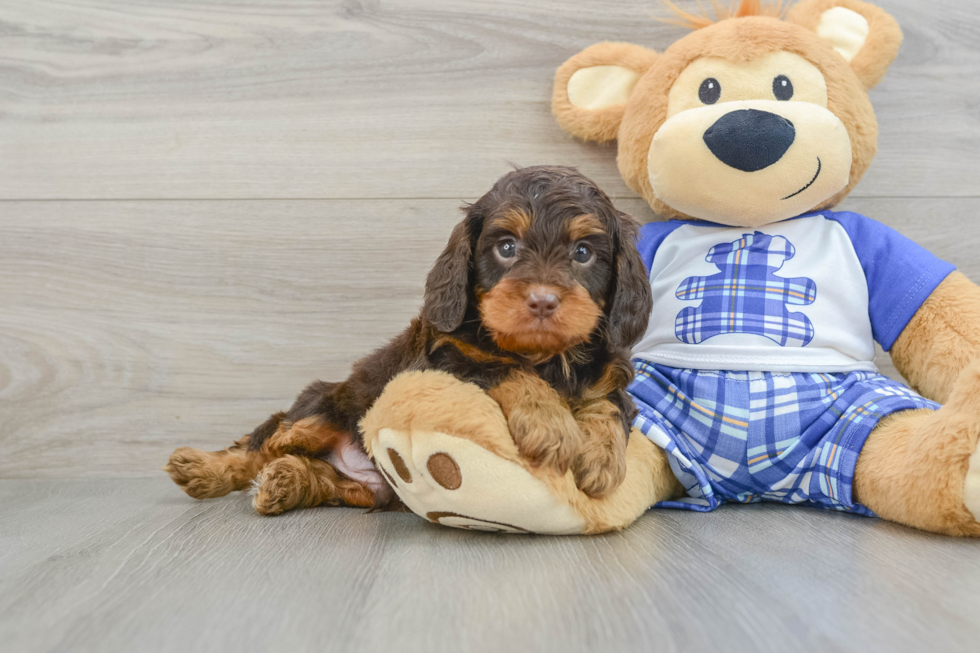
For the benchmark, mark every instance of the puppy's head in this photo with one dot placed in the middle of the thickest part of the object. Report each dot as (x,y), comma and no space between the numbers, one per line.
(546,261)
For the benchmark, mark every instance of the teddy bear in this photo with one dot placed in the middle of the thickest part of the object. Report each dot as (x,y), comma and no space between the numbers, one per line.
(755,380)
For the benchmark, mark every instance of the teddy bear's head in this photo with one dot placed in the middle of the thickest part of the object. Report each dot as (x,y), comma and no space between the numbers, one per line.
(747,120)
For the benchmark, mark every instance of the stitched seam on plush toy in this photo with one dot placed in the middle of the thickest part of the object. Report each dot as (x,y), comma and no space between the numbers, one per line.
(909,296)
(740,359)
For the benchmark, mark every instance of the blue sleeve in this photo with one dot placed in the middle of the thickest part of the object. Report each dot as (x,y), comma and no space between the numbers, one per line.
(651,235)
(900,273)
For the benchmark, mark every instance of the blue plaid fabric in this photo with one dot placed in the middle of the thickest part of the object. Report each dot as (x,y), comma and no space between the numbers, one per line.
(754,436)
(746,296)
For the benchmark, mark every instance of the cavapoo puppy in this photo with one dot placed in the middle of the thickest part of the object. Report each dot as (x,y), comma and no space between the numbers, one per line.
(537,299)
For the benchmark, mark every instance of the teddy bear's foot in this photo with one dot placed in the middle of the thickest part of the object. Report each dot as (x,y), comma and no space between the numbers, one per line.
(922,467)
(456,482)
(445,448)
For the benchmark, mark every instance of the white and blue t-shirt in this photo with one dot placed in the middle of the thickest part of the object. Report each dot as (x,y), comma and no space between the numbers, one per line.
(809,294)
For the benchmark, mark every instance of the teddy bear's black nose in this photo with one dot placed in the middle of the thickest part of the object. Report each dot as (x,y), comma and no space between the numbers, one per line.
(749,139)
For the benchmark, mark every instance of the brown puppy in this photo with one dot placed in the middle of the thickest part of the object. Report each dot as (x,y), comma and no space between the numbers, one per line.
(536,299)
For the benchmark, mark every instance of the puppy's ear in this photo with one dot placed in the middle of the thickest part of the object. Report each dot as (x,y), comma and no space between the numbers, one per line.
(447,285)
(632,298)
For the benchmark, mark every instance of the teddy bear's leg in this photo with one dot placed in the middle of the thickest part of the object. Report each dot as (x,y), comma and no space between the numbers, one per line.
(922,467)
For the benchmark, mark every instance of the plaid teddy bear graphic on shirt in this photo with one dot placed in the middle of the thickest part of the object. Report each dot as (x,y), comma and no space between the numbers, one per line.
(746,296)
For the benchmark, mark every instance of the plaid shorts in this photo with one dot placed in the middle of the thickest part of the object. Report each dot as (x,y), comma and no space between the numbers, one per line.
(754,436)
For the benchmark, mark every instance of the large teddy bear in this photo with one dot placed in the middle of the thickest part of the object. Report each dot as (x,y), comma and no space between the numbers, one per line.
(755,379)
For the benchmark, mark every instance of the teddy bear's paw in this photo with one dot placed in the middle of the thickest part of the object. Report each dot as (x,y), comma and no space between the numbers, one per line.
(456,482)
(199,473)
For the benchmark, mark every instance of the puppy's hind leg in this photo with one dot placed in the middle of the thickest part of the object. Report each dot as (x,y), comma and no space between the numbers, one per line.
(299,482)
(297,478)
(209,474)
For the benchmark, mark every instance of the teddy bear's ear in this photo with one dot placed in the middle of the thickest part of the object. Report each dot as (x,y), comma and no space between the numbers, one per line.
(866,36)
(593,87)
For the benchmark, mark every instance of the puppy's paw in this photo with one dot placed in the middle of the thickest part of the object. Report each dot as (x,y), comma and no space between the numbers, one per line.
(600,468)
(547,437)
(282,485)
(198,473)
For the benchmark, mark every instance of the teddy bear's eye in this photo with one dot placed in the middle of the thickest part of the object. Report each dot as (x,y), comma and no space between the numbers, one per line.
(782,88)
(710,91)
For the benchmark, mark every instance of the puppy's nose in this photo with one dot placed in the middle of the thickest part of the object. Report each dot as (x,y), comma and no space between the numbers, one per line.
(749,139)
(542,303)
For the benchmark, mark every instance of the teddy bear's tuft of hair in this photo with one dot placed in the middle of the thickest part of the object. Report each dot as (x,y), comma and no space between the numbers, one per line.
(737,9)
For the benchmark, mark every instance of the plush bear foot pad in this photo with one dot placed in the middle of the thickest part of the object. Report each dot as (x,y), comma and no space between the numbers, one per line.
(445,448)
(456,482)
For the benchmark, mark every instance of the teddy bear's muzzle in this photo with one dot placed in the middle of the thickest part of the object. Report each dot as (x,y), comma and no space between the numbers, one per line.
(749,139)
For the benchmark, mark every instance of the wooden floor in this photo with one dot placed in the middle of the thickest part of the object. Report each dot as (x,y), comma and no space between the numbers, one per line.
(129,565)
(205,204)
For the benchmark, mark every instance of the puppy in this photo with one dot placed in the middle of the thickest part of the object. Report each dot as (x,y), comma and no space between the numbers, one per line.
(537,299)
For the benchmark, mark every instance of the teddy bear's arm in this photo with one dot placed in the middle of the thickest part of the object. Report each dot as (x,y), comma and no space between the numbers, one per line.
(941,339)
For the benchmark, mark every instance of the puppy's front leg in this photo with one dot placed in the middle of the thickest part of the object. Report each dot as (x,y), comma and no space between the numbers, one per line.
(540,421)
(601,464)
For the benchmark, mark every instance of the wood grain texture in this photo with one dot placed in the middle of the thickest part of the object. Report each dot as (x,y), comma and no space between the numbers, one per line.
(131,565)
(328,145)
(358,98)
(132,328)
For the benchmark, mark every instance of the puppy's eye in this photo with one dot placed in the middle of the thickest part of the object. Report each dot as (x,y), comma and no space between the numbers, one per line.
(710,91)
(506,249)
(583,254)
(782,88)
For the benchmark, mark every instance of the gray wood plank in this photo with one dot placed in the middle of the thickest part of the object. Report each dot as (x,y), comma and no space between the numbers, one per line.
(357,98)
(131,328)
(112,565)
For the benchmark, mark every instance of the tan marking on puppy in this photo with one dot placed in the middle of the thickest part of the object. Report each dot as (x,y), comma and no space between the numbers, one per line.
(613,378)
(539,420)
(468,350)
(297,482)
(600,466)
(514,328)
(584,226)
(307,436)
(209,474)
(515,221)
(648,480)
(205,475)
